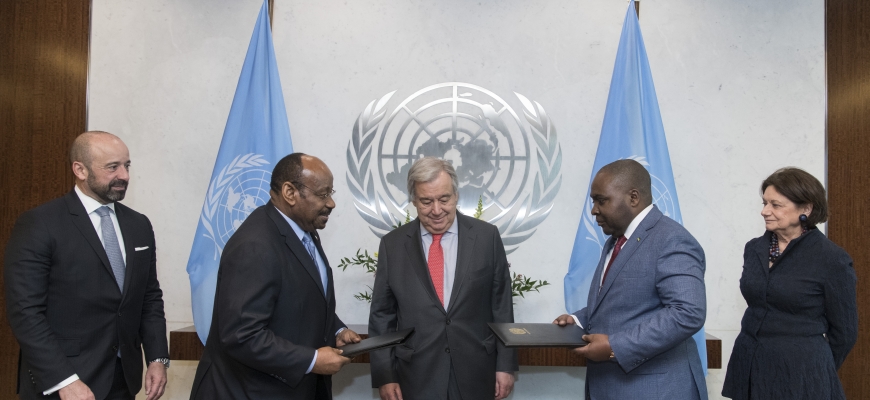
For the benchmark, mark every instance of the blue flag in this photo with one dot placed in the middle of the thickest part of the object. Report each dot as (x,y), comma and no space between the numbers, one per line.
(632,129)
(256,137)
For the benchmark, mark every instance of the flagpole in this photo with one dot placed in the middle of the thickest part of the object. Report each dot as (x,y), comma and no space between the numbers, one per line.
(271,15)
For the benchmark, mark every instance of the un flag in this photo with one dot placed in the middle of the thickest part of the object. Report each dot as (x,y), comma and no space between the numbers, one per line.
(256,137)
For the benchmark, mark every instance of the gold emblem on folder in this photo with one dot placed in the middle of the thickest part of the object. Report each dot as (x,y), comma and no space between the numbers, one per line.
(519,331)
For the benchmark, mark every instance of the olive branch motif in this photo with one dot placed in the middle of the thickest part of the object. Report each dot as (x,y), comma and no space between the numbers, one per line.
(360,180)
(535,207)
(216,189)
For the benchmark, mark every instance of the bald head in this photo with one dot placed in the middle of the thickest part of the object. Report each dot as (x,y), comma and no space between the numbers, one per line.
(101,164)
(628,175)
(80,151)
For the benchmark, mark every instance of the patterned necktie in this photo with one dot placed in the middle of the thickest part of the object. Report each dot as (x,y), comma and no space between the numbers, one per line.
(110,243)
(436,266)
(619,242)
(312,251)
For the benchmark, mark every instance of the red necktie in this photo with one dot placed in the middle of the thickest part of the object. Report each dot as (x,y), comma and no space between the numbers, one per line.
(436,266)
(619,242)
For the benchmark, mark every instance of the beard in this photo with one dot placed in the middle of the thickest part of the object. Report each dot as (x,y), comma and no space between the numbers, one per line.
(114,191)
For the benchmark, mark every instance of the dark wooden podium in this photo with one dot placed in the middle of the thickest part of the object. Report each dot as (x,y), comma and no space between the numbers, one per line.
(184,344)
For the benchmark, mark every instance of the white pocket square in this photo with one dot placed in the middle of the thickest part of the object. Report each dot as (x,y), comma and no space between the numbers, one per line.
(141,248)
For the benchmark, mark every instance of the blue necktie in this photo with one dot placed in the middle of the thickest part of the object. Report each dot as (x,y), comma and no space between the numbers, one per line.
(312,251)
(110,243)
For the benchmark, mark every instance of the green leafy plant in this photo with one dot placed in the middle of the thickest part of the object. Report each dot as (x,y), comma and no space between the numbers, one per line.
(520,284)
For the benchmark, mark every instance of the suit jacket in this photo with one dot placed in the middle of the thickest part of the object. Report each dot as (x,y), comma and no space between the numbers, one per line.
(270,315)
(650,305)
(65,307)
(404,297)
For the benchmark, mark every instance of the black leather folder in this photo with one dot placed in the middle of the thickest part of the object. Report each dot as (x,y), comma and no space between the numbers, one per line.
(538,335)
(384,341)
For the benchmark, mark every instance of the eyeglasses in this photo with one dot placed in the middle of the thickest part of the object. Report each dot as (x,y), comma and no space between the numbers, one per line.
(323,196)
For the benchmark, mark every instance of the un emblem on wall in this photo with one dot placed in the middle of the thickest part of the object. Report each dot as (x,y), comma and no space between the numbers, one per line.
(510,163)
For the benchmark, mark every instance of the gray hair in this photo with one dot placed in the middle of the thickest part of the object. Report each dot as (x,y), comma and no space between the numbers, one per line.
(426,170)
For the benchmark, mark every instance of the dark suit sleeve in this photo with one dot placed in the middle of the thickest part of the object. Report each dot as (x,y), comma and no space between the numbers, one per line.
(27,269)
(680,285)
(152,329)
(338,324)
(248,287)
(841,308)
(382,319)
(502,305)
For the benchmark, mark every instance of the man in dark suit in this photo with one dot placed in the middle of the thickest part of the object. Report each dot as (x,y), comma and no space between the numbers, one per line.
(647,297)
(82,295)
(274,324)
(445,275)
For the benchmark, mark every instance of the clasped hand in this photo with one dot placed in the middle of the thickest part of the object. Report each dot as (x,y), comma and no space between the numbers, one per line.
(329,360)
(598,348)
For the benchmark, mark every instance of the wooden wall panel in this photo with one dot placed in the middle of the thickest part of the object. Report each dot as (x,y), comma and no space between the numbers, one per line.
(43,106)
(847,36)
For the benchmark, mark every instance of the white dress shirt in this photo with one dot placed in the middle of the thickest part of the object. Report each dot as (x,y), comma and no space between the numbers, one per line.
(450,246)
(91,206)
(628,233)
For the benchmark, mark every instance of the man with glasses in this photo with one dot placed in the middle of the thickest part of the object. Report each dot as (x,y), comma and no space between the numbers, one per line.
(274,330)
(446,275)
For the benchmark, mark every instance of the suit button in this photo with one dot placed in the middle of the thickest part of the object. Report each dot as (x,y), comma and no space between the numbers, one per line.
(448,322)
(115,348)
(447,350)
(119,314)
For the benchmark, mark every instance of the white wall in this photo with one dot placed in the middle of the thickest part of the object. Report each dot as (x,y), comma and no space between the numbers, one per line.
(740,85)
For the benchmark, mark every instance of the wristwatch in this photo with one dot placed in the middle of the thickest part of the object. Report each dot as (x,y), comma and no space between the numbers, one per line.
(164,361)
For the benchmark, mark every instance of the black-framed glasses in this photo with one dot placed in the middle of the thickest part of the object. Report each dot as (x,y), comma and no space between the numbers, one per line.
(323,196)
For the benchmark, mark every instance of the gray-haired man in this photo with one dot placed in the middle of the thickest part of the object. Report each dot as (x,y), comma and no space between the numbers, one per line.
(446,275)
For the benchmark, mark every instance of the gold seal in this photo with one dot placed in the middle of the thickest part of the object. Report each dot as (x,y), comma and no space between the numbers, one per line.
(519,331)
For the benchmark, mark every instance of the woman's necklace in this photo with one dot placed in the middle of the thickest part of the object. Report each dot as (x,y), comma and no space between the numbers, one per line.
(774,246)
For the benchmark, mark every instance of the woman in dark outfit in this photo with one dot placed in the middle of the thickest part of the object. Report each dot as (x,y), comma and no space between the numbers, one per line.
(802,318)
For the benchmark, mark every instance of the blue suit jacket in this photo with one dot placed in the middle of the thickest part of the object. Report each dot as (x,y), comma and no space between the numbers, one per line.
(651,304)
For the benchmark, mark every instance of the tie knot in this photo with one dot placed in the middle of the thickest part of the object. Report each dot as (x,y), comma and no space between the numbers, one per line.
(437,238)
(103,211)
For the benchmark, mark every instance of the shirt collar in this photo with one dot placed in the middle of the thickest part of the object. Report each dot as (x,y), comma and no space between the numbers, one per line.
(90,203)
(296,228)
(636,221)
(454,227)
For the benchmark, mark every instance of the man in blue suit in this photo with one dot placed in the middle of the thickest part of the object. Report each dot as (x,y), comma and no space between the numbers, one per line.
(647,297)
